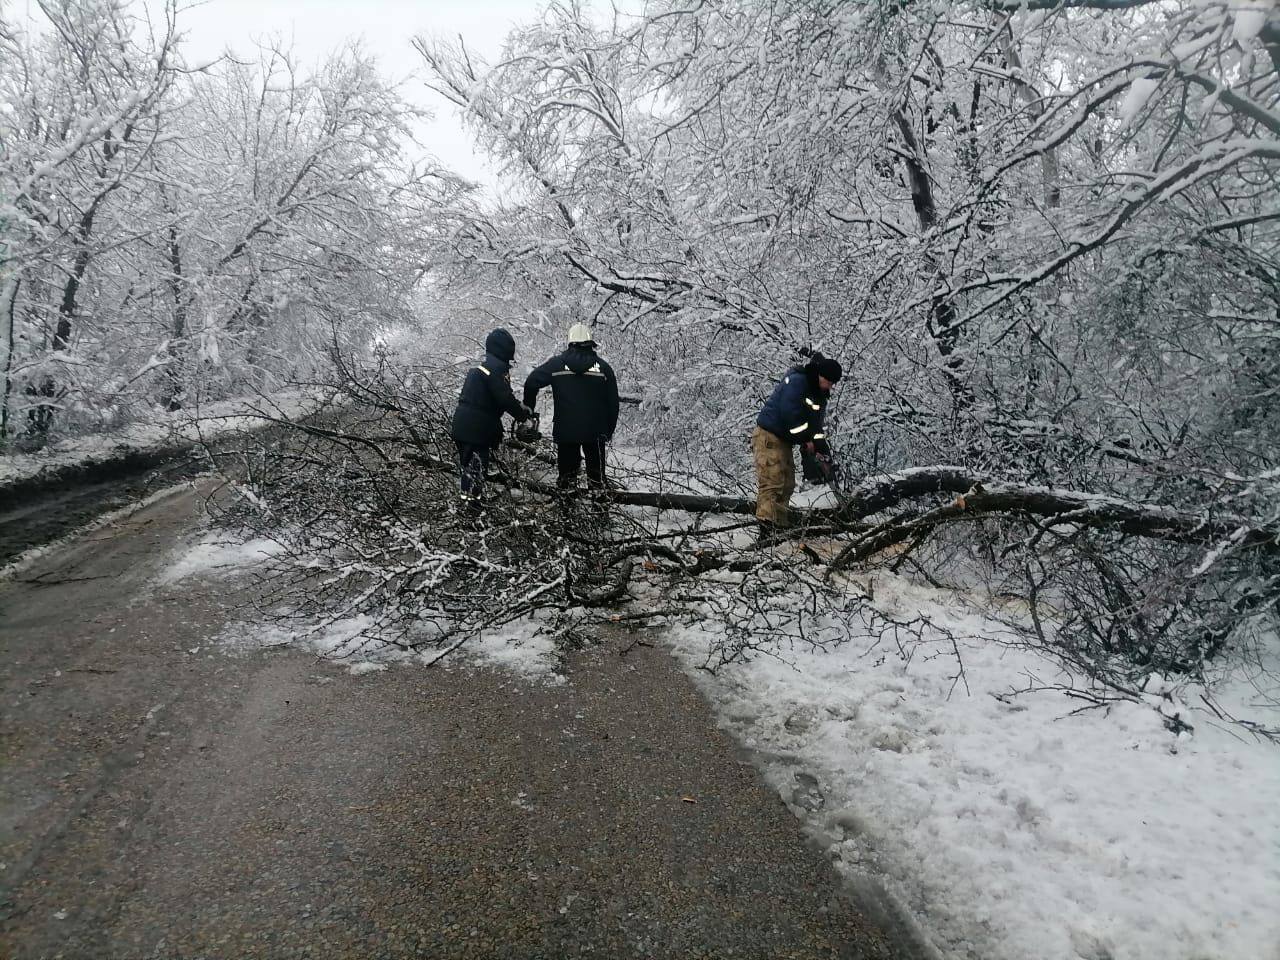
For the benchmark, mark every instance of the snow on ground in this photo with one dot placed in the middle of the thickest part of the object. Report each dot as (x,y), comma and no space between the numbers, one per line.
(1011,828)
(521,648)
(814,497)
(166,429)
(217,553)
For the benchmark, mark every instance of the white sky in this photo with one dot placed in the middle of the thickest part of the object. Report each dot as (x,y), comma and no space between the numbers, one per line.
(315,28)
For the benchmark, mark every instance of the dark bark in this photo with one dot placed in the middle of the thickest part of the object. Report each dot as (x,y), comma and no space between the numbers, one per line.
(1035,102)
(40,416)
(173,394)
(1013,6)
(944,324)
(10,299)
(976,496)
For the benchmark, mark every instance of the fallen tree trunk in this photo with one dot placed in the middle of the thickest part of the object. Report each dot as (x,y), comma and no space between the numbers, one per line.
(977,494)
(691,503)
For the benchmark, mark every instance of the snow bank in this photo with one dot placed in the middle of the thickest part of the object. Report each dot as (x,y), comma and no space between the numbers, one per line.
(1014,827)
(167,430)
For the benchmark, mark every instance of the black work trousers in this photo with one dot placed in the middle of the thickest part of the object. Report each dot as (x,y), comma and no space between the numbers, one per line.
(473,462)
(569,457)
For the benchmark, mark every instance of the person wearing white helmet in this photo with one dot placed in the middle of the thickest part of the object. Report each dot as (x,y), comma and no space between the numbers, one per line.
(585,392)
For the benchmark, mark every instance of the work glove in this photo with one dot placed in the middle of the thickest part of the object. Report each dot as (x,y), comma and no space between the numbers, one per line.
(811,467)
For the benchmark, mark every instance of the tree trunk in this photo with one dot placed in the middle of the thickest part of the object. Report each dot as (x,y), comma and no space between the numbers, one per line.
(1032,98)
(8,300)
(40,417)
(943,323)
(174,390)
(974,494)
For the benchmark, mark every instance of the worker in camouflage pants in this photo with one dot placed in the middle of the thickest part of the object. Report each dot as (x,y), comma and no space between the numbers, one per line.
(793,415)
(775,476)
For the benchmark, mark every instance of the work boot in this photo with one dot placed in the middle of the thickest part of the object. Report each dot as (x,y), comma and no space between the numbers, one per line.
(768,533)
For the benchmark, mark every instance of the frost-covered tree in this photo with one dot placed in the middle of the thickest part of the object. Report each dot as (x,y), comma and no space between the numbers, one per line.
(299,226)
(82,107)
(174,233)
(1041,236)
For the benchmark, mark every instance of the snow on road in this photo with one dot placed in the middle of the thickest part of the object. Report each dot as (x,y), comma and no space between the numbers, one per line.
(217,554)
(1011,826)
(521,648)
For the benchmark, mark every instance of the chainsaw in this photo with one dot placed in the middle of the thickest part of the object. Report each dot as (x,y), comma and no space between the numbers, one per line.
(528,432)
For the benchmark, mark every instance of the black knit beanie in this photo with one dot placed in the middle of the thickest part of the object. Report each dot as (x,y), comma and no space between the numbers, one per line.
(826,367)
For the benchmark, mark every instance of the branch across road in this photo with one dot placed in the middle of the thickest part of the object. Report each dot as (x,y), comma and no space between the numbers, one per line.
(163,798)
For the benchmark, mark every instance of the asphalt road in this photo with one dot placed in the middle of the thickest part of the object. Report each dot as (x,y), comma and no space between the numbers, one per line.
(160,797)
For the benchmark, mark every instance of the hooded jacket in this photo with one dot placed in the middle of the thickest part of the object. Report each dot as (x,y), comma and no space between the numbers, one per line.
(486,395)
(585,393)
(796,410)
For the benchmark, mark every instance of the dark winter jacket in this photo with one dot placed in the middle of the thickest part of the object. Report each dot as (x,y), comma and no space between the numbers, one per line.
(796,410)
(486,395)
(585,393)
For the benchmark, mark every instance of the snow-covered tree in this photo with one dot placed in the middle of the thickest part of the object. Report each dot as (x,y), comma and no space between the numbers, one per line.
(82,107)
(175,232)
(1042,237)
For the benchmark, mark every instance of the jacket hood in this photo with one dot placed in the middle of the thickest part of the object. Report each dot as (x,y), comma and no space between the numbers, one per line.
(580,359)
(500,344)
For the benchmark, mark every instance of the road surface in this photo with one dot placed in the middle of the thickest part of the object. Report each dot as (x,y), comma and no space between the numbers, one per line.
(163,798)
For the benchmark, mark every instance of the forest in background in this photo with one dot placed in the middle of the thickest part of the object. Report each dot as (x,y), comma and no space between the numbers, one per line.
(1041,237)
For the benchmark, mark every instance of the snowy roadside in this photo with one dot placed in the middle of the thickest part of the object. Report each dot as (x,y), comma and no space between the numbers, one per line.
(21,563)
(167,435)
(1018,826)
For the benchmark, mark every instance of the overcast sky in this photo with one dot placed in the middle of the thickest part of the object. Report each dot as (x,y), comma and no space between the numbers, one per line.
(317,27)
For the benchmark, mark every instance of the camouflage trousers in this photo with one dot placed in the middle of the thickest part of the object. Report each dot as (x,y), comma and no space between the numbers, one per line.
(775,476)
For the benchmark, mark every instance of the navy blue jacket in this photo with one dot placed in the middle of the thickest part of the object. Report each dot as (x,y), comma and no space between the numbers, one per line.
(486,395)
(796,410)
(585,393)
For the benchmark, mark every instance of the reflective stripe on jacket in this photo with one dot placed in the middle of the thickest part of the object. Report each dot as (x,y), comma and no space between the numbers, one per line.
(585,391)
(795,411)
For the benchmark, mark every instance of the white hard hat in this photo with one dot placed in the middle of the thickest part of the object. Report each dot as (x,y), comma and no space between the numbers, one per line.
(580,333)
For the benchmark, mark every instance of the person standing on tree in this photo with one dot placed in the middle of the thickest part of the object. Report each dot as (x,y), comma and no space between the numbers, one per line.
(793,416)
(477,421)
(585,392)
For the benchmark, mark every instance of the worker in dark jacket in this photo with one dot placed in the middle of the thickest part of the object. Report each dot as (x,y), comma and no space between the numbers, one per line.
(477,422)
(586,406)
(793,416)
